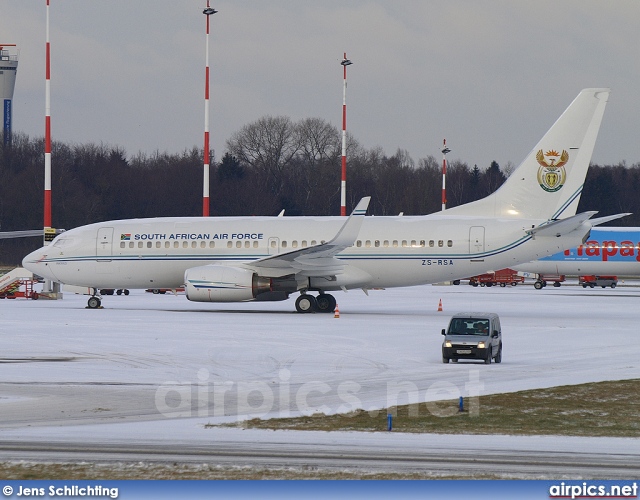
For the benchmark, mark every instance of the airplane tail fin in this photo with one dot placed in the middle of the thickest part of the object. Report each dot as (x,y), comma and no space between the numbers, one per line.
(548,183)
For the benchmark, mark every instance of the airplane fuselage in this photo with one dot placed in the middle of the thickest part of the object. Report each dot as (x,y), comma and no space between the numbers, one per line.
(607,251)
(389,251)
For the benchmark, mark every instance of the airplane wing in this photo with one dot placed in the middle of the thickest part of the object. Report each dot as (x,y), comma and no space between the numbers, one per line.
(565,226)
(318,260)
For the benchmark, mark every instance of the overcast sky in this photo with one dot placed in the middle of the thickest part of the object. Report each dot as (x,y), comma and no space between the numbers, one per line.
(490,76)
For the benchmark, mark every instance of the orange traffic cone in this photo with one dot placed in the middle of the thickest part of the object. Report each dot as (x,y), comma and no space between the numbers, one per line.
(336,312)
(440,306)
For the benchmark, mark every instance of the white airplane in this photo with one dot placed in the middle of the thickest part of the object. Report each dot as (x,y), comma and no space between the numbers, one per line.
(611,251)
(229,259)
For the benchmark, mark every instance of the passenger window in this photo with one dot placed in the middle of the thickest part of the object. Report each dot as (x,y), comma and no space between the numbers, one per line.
(255,244)
(148,244)
(294,244)
(386,243)
(313,242)
(122,245)
(404,243)
(194,244)
(158,244)
(212,244)
(167,244)
(413,243)
(238,244)
(431,243)
(284,244)
(229,244)
(304,243)
(440,243)
(449,243)
(358,243)
(422,243)
(131,244)
(247,244)
(185,244)
(203,244)
(139,244)
(273,244)
(395,243)
(377,243)
(176,244)
(367,243)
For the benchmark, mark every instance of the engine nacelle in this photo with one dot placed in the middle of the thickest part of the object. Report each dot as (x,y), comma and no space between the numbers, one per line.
(222,284)
(233,284)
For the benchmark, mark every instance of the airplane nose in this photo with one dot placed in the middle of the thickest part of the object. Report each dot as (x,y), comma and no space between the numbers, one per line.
(37,263)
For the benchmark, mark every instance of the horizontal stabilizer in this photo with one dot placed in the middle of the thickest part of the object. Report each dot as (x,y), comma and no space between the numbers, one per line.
(561,227)
(602,220)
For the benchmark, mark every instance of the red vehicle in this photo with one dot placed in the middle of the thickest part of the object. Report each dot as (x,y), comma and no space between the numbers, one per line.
(593,281)
(502,277)
(543,279)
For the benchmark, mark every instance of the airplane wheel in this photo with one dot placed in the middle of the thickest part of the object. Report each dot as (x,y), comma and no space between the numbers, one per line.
(306,303)
(326,303)
(126,292)
(94,303)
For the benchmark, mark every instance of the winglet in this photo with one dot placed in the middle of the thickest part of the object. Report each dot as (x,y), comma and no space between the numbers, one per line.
(349,231)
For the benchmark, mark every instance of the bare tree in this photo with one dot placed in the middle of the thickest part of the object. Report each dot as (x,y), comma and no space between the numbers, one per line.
(267,145)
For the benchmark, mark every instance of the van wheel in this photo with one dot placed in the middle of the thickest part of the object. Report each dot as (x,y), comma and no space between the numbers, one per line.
(487,360)
(445,360)
(498,358)
(537,285)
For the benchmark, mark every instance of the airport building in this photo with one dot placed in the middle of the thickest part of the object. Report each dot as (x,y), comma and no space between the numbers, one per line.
(8,70)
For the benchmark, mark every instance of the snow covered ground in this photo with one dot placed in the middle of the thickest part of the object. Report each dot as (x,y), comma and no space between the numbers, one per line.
(152,366)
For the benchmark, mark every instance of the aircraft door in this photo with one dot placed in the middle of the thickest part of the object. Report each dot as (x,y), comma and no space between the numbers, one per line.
(476,239)
(274,246)
(104,244)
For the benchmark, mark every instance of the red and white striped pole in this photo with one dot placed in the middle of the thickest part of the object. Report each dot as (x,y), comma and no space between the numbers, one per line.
(445,150)
(343,185)
(47,132)
(205,182)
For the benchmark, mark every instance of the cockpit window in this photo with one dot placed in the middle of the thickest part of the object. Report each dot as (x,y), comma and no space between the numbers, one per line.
(63,242)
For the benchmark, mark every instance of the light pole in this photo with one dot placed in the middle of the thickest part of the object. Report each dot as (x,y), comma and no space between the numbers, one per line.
(47,132)
(343,185)
(205,182)
(445,150)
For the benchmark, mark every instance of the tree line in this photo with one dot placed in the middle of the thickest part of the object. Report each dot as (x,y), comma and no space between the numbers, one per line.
(269,165)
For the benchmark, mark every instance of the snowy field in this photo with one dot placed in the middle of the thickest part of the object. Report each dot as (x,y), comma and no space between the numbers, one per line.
(157,365)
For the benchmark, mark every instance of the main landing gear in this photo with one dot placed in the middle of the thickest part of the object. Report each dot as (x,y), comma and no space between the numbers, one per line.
(323,303)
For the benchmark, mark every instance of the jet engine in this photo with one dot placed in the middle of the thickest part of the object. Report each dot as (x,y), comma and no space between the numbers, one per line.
(233,284)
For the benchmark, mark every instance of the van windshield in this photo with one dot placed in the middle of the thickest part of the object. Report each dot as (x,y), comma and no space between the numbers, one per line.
(469,326)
